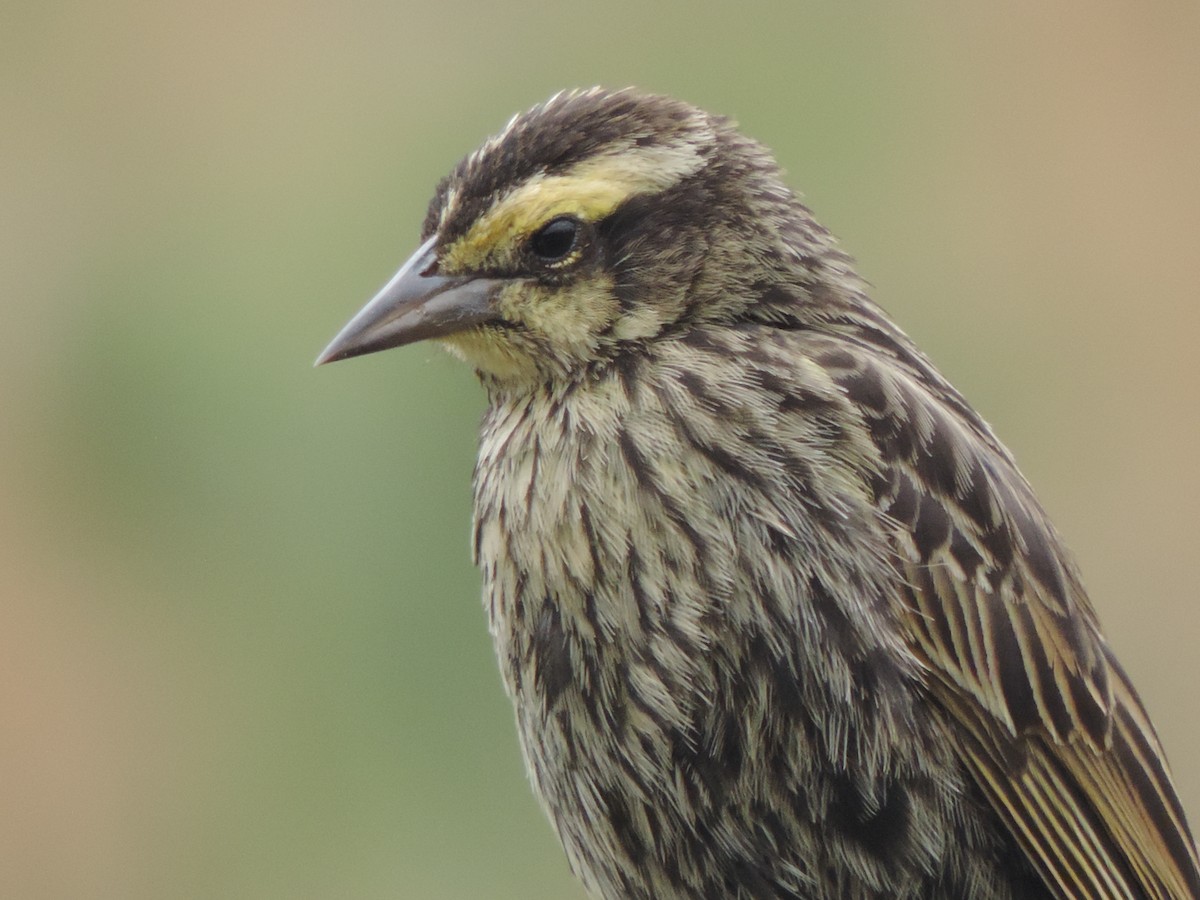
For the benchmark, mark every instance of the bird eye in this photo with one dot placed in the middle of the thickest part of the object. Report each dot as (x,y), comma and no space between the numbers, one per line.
(555,240)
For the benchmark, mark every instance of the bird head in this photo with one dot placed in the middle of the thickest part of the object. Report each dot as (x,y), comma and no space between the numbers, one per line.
(593,223)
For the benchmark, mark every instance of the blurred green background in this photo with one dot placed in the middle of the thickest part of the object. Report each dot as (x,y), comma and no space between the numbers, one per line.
(241,648)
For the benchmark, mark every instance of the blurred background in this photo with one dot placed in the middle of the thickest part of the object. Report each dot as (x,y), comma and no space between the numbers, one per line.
(242,653)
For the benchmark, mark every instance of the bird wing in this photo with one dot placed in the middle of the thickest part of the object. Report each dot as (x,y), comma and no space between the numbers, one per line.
(1053,730)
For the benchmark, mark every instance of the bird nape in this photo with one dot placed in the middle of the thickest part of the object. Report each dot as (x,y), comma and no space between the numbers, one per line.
(779,616)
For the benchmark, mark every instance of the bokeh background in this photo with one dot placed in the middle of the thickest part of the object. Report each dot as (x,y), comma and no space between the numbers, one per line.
(241,648)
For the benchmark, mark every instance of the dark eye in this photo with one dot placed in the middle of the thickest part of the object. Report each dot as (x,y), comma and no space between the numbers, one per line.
(554,240)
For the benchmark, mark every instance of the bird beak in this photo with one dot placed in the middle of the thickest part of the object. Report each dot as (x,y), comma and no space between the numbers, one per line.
(413,306)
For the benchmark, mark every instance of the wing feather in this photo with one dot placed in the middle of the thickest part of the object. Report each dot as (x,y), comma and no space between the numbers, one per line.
(1058,740)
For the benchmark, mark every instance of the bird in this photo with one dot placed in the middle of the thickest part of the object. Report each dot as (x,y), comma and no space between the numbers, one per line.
(779,616)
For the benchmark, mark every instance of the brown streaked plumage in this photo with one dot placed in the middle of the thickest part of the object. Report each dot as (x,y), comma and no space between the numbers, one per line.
(779,615)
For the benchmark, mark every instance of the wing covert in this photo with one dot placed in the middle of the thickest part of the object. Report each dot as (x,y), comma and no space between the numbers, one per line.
(1055,733)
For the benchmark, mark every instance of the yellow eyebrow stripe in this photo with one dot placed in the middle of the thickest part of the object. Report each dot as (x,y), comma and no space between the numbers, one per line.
(526,209)
(589,191)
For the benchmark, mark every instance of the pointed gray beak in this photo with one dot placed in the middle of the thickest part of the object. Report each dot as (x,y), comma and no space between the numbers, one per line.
(413,306)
